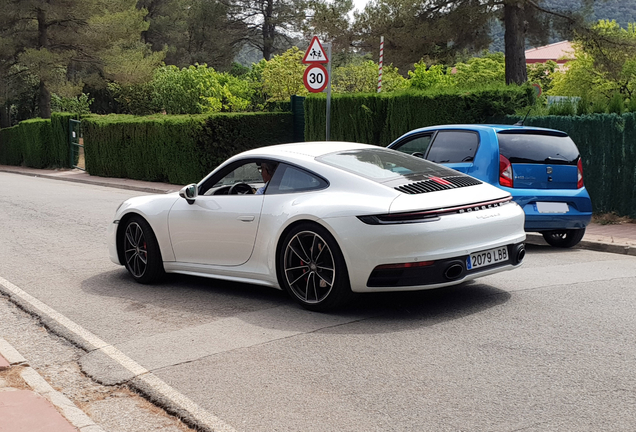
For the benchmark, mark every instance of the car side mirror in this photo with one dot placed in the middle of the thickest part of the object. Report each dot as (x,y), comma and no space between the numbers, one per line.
(189,193)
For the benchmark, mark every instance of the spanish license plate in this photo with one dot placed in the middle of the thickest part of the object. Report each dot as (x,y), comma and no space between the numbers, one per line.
(487,257)
(552,207)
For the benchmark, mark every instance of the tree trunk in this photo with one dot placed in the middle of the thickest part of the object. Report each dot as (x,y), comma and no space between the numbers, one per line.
(44,101)
(269,29)
(5,120)
(515,42)
(44,97)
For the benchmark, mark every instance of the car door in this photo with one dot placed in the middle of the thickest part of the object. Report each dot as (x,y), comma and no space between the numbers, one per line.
(218,229)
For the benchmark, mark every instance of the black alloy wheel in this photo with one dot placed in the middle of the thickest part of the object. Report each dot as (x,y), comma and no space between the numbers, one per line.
(141,251)
(564,238)
(312,269)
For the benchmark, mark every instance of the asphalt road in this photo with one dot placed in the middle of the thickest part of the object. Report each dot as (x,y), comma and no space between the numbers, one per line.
(550,346)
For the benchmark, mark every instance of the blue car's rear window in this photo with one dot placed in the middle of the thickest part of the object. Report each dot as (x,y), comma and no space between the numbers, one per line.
(538,148)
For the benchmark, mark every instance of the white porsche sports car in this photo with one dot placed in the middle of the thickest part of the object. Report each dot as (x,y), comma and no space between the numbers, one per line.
(323,220)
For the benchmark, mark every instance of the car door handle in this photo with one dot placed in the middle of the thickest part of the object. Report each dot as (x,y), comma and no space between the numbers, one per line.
(246,218)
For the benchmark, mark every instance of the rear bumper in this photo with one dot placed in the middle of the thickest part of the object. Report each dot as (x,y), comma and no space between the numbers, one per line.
(578,216)
(441,272)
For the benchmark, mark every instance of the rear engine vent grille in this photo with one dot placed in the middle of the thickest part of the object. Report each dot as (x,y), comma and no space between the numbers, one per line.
(435,184)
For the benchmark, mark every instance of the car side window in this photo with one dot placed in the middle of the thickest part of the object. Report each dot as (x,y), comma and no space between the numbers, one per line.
(290,179)
(246,174)
(416,146)
(454,146)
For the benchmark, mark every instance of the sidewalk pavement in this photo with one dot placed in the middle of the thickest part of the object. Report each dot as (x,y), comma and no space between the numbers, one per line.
(29,404)
(614,238)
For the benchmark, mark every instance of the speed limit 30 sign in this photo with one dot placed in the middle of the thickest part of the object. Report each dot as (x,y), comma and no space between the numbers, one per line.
(316,78)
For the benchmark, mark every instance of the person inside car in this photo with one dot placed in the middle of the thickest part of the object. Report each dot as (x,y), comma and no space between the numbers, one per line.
(267,171)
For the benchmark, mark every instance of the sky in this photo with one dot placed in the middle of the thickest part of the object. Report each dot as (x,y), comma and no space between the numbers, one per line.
(359,4)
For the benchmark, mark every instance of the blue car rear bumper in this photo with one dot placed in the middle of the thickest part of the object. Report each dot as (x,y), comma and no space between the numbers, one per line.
(578,215)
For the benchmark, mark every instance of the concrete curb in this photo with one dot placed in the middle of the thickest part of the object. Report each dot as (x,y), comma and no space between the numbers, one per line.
(144,381)
(11,354)
(624,249)
(39,385)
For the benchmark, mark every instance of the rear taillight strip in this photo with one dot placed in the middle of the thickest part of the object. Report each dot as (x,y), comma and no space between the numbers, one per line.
(431,215)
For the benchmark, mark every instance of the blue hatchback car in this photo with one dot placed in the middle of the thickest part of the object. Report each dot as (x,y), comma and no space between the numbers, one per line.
(541,168)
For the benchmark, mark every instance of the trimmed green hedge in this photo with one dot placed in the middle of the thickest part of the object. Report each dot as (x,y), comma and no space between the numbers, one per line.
(10,146)
(381,118)
(60,151)
(36,136)
(607,143)
(176,149)
(37,143)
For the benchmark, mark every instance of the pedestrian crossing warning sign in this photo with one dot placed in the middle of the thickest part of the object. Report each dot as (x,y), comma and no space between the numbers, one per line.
(315,53)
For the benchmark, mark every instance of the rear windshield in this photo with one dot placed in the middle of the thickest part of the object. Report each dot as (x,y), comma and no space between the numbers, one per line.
(382,164)
(538,148)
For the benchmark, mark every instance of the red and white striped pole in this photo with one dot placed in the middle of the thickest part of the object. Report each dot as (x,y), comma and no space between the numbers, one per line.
(380,64)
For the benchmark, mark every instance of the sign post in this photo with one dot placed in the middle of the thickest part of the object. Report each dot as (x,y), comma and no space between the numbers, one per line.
(380,61)
(316,77)
(328,113)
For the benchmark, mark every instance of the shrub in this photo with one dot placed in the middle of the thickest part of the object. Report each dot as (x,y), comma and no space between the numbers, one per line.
(566,107)
(616,104)
(176,149)
(381,118)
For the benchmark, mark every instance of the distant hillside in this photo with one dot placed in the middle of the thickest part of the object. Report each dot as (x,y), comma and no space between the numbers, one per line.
(622,11)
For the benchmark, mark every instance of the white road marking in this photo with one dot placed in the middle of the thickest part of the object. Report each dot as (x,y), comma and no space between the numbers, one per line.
(178,400)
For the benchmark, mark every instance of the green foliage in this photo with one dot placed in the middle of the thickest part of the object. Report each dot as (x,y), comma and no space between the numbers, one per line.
(542,74)
(36,136)
(616,104)
(79,105)
(631,105)
(11,152)
(565,107)
(176,149)
(192,31)
(134,99)
(362,77)
(608,152)
(435,76)
(584,106)
(479,71)
(37,143)
(605,64)
(60,140)
(67,45)
(381,118)
(599,106)
(238,70)
(198,90)
(435,31)
(474,73)
(282,76)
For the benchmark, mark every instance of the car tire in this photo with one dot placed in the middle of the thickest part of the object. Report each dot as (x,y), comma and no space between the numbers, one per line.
(564,238)
(142,256)
(312,269)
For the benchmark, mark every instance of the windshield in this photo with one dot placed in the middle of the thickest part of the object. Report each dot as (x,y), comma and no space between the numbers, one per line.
(538,148)
(382,164)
